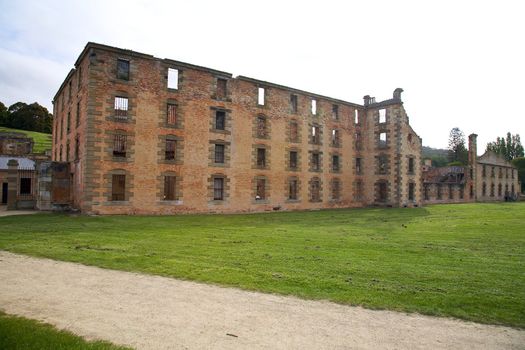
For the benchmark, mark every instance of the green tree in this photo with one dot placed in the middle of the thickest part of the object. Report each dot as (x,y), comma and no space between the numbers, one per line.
(520,164)
(457,152)
(509,147)
(3,114)
(33,117)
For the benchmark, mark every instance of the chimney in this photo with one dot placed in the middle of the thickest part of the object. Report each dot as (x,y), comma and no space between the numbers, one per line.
(397,94)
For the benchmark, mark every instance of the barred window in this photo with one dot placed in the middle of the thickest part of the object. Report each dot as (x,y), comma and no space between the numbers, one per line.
(123,69)
(293,159)
(293,103)
(170,183)
(358,165)
(25,185)
(335,163)
(121,107)
(171,147)
(382,164)
(294,131)
(261,157)
(315,190)
(219,154)
(171,116)
(292,189)
(261,189)
(316,163)
(220,120)
(118,187)
(410,165)
(221,88)
(411,189)
(359,190)
(119,145)
(336,189)
(218,188)
(261,127)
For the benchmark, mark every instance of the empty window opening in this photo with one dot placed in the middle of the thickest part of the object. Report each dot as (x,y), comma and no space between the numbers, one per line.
(25,185)
(358,190)
(335,163)
(358,141)
(261,157)
(492,188)
(218,189)
(292,189)
(171,116)
(293,159)
(261,189)
(356,116)
(499,190)
(335,112)
(220,120)
(221,88)
(173,78)
(68,126)
(118,187)
(260,96)
(358,165)
(382,164)
(484,171)
(471,191)
(493,172)
(219,154)
(316,137)
(335,137)
(484,189)
(170,183)
(382,139)
(293,103)
(121,107)
(77,148)
(123,69)
(314,106)
(171,147)
(119,145)
(382,116)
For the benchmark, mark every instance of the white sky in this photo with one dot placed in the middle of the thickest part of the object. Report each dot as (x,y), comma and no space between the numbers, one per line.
(461,63)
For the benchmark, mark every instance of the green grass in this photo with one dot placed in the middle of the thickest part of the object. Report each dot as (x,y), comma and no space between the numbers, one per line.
(465,261)
(41,141)
(18,333)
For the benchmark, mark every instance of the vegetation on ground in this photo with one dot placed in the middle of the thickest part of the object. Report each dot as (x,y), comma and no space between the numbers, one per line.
(18,333)
(463,260)
(41,141)
(32,117)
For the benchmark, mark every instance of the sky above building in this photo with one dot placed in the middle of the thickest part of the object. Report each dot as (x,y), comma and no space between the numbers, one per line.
(460,63)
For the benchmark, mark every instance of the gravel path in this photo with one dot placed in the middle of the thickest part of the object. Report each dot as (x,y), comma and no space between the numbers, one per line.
(150,312)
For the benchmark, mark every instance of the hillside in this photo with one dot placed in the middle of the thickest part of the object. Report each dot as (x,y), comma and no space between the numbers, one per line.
(439,156)
(42,141)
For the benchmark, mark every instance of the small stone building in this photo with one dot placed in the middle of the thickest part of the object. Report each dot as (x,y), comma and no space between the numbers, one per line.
(486,178)
(15,144)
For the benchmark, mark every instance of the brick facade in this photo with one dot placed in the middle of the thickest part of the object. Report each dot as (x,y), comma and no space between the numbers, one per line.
(206,114)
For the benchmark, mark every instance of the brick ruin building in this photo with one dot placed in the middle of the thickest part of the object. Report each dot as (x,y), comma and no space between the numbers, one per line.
(149,135)
(486,178)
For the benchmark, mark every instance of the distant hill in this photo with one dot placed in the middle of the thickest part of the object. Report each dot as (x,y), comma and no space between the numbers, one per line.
(42,141)
(439,156)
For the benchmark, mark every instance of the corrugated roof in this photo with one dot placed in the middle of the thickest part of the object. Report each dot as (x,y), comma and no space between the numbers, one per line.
(23,163)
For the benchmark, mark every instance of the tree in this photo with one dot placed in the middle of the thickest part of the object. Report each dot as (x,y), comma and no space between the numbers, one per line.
(33,117)
(457,152)
(3,114)
(520,164)
(509,147)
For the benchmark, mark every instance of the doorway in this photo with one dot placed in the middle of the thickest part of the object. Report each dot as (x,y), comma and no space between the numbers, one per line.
(4,193)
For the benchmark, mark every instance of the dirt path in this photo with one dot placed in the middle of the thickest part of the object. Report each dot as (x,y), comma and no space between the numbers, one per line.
(149,312)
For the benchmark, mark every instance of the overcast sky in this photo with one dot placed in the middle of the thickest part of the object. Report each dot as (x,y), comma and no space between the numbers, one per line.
(461,63)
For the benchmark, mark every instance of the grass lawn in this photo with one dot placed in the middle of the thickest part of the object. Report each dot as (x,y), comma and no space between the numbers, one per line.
(42,141)
(465,261)
(18,333)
